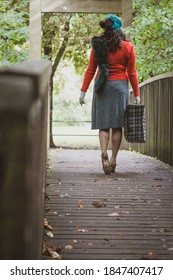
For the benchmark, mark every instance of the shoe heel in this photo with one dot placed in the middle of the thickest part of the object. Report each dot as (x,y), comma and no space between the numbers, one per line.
(105,163)
(113,166)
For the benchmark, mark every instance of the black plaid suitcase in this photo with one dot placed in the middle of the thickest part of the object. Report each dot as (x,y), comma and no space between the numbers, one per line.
(134,124)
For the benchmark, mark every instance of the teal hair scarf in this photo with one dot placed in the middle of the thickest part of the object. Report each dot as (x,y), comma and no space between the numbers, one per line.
(117,23)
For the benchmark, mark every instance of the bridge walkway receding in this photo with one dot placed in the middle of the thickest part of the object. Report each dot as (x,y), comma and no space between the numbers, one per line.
(126,215)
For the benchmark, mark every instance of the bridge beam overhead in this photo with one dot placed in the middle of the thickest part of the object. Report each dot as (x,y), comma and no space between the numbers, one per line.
(37,7)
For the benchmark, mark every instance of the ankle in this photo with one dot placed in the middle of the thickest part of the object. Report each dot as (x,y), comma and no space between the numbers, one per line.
(104,155)
(113,160)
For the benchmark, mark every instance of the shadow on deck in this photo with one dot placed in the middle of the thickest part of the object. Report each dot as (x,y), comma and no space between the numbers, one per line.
(126,215)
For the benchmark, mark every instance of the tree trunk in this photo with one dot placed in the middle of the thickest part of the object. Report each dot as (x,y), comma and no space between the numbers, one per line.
(48,49)
(54,68)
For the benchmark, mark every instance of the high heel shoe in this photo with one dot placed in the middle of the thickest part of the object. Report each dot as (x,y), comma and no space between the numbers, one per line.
(113,166)
(105,162)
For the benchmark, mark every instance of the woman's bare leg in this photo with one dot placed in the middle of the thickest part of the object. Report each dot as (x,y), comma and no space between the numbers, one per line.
(104,140)
(116,142)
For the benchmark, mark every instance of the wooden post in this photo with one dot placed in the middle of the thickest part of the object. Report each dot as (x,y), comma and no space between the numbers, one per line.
(23,158)
(123,7)
(127,12)
(35,29)
(66,6)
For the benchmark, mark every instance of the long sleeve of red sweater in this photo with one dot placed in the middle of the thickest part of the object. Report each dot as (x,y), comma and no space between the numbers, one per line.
(131,71)
(122,66)
(90,72)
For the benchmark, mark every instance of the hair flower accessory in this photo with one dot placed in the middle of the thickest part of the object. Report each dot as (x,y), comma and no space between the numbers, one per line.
(117,23)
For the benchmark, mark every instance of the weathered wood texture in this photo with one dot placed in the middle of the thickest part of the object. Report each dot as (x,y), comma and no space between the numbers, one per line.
(120,7)
(157,95)
(127,12)
(35,29)
(84,6)
(135,220)
(23,155)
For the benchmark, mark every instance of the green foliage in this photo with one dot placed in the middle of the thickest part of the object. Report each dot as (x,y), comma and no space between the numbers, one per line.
(76,38)
(152,36)
(14,31)
(82,28)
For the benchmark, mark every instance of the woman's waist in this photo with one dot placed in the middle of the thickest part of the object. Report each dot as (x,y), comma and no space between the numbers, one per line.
(115,75)
(118,75)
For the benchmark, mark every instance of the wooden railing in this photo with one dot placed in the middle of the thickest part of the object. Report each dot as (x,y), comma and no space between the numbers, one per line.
(157,95)
(23,151)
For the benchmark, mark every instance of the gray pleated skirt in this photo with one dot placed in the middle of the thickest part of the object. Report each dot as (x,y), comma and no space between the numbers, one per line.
(108,106)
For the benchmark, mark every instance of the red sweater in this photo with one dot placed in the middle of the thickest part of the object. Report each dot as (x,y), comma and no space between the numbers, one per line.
(122,66)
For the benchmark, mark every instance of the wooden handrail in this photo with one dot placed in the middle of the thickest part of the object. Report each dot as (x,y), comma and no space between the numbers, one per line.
(23,156)
(157,95)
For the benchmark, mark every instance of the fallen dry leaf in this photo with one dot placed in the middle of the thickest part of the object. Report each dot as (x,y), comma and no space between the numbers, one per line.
(126,212)
(69,247)
(164,230)
(156,218)
(151,256)
(46,197)
(46,225)
(99,204)
(50,234)
(80,204)
(47,209)
(64,195)
(163,240)
(82,230)
(52,252)
(113,214)
(61,215)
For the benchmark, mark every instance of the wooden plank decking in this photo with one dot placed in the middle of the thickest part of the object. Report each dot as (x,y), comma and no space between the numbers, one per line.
(126,215)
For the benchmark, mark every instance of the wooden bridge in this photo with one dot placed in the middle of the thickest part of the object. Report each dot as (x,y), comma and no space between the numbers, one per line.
(127,215)
(58,203)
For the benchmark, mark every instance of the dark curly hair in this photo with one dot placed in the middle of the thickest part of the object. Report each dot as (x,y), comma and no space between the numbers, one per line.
(111,36)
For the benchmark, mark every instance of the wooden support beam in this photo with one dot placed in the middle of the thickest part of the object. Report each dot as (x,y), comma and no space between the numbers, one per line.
(35,29)
(84,6)
(120,7)
(127,12)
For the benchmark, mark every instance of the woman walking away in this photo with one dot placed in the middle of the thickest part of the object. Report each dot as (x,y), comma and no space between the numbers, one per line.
(115,61)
